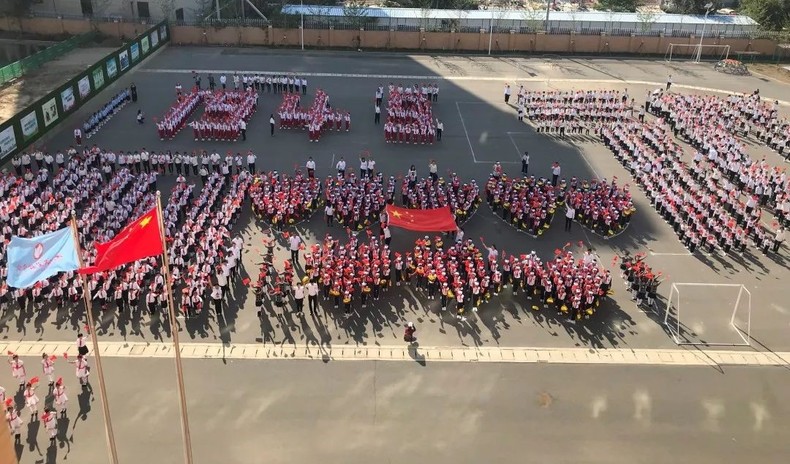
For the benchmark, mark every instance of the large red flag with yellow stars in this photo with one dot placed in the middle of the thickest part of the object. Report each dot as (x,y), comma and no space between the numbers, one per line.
(138,240)
(422,220)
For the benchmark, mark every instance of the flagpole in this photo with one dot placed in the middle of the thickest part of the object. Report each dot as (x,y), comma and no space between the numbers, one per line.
(174,329)
(86,293)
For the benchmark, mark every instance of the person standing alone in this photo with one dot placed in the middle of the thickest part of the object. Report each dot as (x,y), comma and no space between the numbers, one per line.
(570,213)
(555,173)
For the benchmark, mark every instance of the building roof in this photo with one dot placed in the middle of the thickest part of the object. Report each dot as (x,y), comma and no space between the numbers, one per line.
(520,15)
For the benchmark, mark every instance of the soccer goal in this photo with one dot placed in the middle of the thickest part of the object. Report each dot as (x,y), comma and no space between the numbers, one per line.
(686,52)
(703,314)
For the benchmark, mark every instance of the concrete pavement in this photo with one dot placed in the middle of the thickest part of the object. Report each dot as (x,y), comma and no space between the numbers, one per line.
(478,127)
(362,412)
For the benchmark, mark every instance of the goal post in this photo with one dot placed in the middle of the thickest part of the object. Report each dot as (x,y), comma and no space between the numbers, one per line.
(688,52)
(678,312)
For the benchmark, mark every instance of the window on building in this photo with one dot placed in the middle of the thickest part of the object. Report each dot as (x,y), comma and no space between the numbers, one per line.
(87,7)
(142,10)
(180,14)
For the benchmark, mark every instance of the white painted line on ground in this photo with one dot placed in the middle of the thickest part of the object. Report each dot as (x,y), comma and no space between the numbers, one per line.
(463,125)
(404,352)
(515,79)
(510,136)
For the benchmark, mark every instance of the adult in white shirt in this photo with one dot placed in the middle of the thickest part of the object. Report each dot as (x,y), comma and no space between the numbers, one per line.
(299,291)
(555,173)
(363,168)
(251,162)
(243,129)
(312,297)
(310,165)
(293,243)
(341,167)
(216,296)
(329,212)
(570,213)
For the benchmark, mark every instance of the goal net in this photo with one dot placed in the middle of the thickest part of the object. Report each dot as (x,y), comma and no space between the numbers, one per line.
(709,314)
(686,52)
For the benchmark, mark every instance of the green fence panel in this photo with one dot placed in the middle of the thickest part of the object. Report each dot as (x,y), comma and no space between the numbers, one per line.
(30,124)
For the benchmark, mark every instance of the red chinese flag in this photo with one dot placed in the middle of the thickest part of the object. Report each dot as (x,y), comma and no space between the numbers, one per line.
(138,240)
(422,220)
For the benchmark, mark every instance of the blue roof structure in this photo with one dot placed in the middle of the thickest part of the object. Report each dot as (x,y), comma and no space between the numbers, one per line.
(520,15)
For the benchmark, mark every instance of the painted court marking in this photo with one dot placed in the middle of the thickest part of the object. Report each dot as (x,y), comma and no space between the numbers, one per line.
(522,355)
(451,78)
(469,139)
(463,126)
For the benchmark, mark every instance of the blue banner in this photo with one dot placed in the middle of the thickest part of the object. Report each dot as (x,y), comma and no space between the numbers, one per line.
(33,259)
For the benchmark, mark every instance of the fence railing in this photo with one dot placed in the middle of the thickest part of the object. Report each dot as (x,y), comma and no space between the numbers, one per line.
(17,69)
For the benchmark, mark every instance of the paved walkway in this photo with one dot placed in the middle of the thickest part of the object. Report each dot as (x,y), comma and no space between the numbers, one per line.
(524,355)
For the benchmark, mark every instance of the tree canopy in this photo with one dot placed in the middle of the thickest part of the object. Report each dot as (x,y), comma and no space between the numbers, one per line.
(693,6)
(625,6)
(773,15)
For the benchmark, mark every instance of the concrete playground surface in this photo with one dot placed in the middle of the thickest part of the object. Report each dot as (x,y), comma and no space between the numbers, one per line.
(636,409)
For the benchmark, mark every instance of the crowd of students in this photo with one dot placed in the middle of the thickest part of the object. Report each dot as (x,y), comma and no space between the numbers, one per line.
(527,203)
(573,112)
(426,193)
(641,280)
(712,126)
(110,109)
(701,212)
(601,206)
(225,115)
(176,117)
(283,200)
(318,119)
(409,115)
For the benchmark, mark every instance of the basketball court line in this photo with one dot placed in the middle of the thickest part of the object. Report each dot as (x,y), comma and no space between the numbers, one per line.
(511,78)
(405,352)
(469,139)
(463,126)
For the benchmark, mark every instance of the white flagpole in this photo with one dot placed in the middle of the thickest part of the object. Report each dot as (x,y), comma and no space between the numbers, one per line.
(86,293)
(174,329)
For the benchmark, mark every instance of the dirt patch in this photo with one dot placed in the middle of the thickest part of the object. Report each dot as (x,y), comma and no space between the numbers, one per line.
(773,71)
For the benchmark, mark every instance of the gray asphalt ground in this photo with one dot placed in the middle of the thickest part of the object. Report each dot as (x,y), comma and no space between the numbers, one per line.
(377,412)
(357,411)
(478,126)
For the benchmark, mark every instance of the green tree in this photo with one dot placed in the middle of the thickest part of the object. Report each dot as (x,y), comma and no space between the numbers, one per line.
(692,6)
(628,6)
(773,15)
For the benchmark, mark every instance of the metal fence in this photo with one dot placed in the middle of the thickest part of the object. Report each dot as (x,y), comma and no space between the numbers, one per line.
(17,69)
